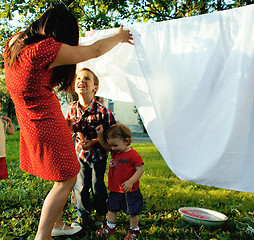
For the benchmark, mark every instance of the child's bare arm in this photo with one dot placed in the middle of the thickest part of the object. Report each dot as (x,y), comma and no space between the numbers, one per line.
(87,144)
(102,141)
(11,130)
(127,185)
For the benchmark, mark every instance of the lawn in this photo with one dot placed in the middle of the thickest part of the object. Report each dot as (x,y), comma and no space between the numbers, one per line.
(22,195)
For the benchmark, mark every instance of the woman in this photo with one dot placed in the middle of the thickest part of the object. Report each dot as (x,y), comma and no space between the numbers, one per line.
(36,60)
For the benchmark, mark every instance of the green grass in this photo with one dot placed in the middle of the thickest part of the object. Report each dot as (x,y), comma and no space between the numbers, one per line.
(22,195)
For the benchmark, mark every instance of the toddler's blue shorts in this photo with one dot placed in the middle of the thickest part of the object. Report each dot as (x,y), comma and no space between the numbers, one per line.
(131,202)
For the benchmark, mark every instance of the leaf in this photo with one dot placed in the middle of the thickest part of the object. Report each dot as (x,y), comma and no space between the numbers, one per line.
(7,7)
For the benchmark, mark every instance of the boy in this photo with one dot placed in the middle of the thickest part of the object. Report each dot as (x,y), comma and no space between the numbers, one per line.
(6,126)
(125,170)
(83,117)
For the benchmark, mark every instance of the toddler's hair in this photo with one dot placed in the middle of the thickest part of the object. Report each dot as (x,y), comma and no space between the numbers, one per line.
(119,130)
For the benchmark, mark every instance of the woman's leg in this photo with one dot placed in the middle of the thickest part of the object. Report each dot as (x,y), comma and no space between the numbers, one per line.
(52,208)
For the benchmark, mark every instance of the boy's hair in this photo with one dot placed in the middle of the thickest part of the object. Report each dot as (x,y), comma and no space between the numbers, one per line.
(95,78)
(119,130)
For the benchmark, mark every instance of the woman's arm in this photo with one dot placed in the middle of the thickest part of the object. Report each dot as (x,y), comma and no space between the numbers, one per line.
(75,54)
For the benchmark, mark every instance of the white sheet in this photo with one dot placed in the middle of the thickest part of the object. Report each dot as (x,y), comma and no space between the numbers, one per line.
(192,81)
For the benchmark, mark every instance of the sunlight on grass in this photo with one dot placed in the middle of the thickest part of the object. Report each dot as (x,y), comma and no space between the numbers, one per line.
(22,196)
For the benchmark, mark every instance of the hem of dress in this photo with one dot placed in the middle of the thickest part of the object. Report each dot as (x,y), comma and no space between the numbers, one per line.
(55,179)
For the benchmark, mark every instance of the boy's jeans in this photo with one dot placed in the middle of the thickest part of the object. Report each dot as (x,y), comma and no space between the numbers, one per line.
(91,176)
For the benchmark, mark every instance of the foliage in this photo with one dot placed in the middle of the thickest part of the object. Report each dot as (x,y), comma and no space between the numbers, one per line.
(140,122)
(89,13)
(22,196)
(3,89)
(7,107)
(106,14)
(102,14)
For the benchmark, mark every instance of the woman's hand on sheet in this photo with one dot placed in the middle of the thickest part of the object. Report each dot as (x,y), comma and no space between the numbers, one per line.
(125,35)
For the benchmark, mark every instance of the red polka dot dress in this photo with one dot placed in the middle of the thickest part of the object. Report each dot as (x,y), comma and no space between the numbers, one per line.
(46,146)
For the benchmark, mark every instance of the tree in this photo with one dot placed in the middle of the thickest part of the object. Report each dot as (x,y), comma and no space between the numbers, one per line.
(7,105)
(90,14)
(105,13)
(108,13)
(159,10)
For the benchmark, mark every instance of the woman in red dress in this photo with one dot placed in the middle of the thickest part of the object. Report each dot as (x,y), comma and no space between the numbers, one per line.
(36,60)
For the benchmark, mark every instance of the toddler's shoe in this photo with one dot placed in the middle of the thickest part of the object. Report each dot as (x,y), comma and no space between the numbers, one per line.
(132,234)
(105,232)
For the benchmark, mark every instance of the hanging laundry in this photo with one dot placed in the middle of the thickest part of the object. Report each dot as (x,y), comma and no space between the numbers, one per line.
(192,80)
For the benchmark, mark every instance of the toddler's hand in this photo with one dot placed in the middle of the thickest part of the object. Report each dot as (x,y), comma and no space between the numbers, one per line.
(127,186)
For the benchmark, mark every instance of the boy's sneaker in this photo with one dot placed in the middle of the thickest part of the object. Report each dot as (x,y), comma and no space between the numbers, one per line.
(100,221)
(86,222)
(78,222)
(132,234)
(104,232)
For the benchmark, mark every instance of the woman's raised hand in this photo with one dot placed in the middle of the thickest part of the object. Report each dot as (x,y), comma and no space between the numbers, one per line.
(75,54)
(125,35)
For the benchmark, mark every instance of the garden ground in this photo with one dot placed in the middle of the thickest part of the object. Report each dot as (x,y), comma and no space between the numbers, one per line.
(22,195)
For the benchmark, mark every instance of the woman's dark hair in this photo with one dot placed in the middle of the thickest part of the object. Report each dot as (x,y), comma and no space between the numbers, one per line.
(58,23)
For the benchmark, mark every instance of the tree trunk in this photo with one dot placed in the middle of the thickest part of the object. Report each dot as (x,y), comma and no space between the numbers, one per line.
(219,5)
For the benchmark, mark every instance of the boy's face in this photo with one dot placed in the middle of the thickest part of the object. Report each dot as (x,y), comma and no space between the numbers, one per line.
(84,83)
(118,145)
